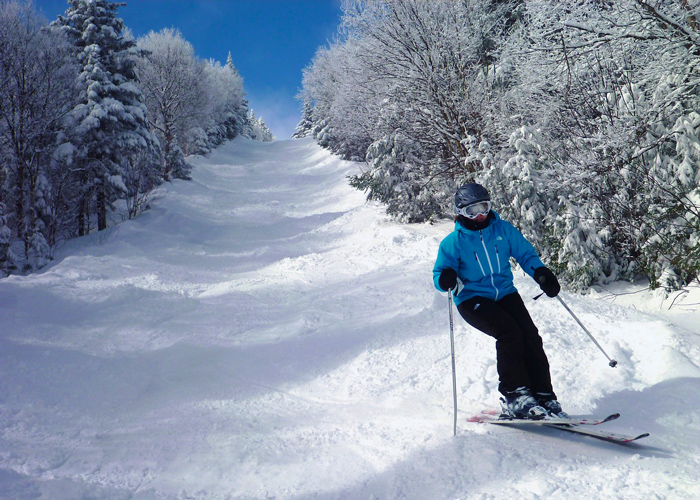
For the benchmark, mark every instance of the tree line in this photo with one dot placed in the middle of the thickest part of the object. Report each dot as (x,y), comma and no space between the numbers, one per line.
(92,120)
(579,116)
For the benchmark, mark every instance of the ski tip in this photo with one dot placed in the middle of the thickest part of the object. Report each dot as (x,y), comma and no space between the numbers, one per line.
(609,418)
(646,434)
(620,439)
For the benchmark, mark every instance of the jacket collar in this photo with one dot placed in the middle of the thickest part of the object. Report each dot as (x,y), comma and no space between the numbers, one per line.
(493,217)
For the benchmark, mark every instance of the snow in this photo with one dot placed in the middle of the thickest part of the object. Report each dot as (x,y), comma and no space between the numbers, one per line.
(264,333)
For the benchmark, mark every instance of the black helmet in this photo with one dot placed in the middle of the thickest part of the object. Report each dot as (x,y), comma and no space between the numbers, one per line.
(470,194)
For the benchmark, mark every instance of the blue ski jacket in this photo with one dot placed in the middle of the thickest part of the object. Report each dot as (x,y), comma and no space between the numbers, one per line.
(482,259)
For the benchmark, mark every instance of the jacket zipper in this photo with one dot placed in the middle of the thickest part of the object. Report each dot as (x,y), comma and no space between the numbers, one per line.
(479,262)
(488,259)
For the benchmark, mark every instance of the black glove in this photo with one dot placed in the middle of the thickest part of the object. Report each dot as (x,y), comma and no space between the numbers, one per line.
(547,281)
(448,279)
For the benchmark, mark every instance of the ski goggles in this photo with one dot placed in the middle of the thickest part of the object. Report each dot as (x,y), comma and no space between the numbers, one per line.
(475,209)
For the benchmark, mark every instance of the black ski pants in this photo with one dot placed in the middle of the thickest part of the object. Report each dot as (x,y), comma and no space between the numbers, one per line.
(520,357)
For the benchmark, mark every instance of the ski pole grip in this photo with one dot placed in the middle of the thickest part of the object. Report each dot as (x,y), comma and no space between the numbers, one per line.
(541,280)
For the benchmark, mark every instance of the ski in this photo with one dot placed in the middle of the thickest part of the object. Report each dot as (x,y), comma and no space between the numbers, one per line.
(489,418)
(599,433)
(582,426)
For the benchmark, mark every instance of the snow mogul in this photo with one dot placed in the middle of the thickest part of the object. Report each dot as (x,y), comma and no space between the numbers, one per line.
(473,264)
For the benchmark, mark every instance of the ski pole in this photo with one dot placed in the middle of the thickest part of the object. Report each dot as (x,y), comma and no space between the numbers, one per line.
(612,362)
(452,345)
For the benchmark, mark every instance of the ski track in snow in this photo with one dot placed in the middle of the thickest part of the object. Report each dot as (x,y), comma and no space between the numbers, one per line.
(263,333)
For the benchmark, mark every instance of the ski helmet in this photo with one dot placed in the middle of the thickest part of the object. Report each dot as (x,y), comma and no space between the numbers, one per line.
(470,194)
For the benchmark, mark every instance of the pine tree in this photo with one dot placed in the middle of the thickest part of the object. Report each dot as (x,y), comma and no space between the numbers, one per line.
(231,66)
(258,128)
(306,125)
(395,167)
(110,121)
(265,133)
(238,111)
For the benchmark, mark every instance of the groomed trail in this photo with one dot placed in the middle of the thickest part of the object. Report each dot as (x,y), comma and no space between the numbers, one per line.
(263,333)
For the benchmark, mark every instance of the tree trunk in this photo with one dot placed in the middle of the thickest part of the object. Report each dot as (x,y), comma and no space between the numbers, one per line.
(101,209)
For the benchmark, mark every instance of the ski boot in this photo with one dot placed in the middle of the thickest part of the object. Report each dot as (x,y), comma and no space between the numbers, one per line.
(548,401)
(521,404)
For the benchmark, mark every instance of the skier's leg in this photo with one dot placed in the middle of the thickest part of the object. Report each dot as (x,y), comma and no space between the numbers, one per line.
(535,358)
(487,316)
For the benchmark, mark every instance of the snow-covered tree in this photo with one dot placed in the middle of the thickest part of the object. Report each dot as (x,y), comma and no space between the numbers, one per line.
(236,105)
(394,177)
(226,115)
(74,130)
(422,71)
(579,115)
(193,105)
(306,124)
(36,93)
(110,121)
(613,86)
(258,128)
(172,81)
(231,66)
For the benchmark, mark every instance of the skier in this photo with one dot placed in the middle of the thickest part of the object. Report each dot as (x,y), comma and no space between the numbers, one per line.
(473,263)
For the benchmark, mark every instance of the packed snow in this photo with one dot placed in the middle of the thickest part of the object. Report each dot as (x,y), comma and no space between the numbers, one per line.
(264,333)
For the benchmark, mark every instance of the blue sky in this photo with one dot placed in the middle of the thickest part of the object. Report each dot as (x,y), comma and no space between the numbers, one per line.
(271,42)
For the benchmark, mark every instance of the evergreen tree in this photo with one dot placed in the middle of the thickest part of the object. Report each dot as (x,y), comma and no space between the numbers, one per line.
(231,66)
(110,121)
(265,132)
(306,125)
(393,178)
(235,122)
(258,128)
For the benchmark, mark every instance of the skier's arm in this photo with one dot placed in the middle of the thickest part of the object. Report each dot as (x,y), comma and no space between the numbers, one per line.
(447,259)
(527,257)
(523,251)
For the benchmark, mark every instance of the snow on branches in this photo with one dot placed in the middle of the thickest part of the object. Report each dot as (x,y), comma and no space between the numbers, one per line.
(579,116)
(87,130)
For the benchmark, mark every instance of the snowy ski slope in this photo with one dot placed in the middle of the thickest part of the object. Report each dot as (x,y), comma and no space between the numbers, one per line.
(262,333)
